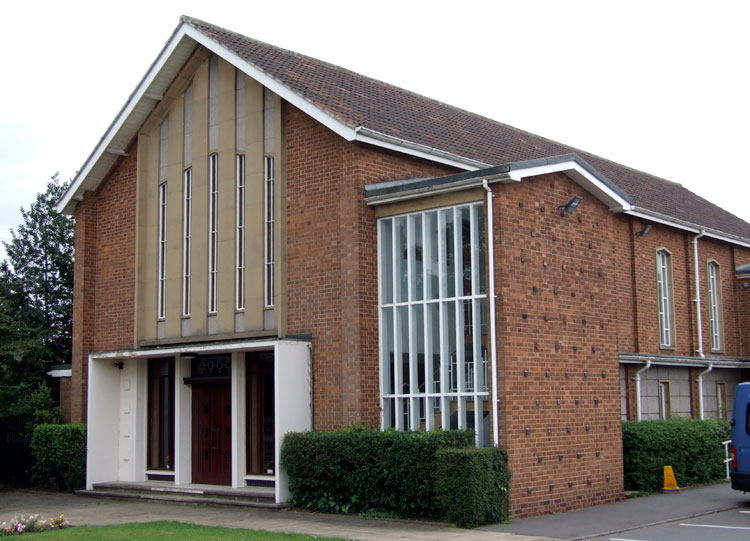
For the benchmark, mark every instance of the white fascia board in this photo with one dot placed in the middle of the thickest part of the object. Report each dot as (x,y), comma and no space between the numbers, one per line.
(372,137)
(645,214)
(589,182)
(66,203)
(322,116)
(192,348)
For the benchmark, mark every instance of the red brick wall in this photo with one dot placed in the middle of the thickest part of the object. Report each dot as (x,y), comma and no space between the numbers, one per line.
(558,309)
(104,279)
(742,299)
(115,258)
(332,263)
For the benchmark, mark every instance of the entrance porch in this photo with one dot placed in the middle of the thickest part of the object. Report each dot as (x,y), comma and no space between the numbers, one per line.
(209,414)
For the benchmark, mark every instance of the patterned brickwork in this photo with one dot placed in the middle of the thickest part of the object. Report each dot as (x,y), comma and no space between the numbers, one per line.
(558,309)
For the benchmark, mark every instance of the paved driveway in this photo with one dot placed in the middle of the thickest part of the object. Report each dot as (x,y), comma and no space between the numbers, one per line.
(93,511)
(620,519)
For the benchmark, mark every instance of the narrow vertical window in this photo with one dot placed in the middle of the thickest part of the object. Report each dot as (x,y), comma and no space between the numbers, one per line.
(664,287)
(665,405)
(162,293)
(268,232)
(213,218)
(721,400)
(240,236)
(187,238)
(714,300)
(161,377)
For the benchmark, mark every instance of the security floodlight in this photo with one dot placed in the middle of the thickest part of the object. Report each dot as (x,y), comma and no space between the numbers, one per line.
(570,206)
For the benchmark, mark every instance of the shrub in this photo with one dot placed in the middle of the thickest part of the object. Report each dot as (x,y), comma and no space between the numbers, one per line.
(692,447)
(60,456)
(472,485)
(364,471)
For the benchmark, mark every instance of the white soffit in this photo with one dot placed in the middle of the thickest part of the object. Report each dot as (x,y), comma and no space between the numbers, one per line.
(158,78)
(130,118)
(582,177)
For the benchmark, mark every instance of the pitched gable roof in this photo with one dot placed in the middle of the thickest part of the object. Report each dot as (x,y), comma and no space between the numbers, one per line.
(360,108)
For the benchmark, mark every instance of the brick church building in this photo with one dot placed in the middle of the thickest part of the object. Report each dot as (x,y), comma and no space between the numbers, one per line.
(266,242)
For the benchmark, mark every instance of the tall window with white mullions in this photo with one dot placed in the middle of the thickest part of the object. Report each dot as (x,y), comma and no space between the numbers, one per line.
(187,238)
(433,320)
(162,281)
(664,290)
(714,299)
(240,235)
(213,239)
(187,203)
(161,301)
(268,232)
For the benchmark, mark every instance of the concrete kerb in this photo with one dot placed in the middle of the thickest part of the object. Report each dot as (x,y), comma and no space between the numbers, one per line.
(99,512)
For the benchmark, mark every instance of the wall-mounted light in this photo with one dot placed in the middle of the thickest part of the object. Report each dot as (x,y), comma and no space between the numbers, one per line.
(570,206)
(645,231)
(189,355)
(119,365)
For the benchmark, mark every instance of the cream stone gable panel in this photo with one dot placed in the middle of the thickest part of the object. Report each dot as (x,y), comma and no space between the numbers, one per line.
(196,77)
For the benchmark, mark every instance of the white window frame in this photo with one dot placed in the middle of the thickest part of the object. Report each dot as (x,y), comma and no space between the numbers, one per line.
(714,304)
(240,235)
(665,294)
(423,313)
(213,220)
(162,254)
(269,228)
(187,238)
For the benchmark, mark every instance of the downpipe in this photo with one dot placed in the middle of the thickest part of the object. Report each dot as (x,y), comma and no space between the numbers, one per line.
(638,388)
(700,388)
(493,340)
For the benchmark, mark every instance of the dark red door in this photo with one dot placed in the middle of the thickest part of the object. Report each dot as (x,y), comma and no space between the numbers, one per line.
(212,434)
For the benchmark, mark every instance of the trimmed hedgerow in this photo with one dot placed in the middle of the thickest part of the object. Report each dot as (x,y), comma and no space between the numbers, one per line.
(60,456)
(692,447)
(354,471)
(472,485)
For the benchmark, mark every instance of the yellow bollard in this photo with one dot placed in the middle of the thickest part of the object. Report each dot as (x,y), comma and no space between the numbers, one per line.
(670,484)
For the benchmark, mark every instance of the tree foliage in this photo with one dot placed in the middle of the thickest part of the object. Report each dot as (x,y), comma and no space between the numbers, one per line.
(36,301)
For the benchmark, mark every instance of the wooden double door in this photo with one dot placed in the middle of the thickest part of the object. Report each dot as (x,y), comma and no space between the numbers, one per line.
(212,433)
(212,418)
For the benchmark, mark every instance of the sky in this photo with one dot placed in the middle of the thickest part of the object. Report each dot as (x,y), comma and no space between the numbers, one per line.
(660,86)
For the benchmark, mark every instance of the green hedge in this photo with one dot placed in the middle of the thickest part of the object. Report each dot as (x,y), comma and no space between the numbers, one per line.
(359,471)
(60,456)
(692,447)
(472,485)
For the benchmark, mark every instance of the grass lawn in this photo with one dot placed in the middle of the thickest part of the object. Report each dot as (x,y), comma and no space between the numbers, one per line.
(167,531)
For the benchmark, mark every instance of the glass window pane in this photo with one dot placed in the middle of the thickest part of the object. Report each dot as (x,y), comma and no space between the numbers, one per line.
(432,252)
(403,329)
(436,412)
(418,372)
(480,272)
(448,252)
(386,261)
(388,351)
(449,336)
(401,260)
(416,256)
(466,252)
(433,323)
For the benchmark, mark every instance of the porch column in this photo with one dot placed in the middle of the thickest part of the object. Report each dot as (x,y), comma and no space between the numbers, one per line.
(238,419)
(183,430)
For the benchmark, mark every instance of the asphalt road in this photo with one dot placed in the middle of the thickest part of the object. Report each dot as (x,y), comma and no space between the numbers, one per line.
(658,517)
(731,525)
